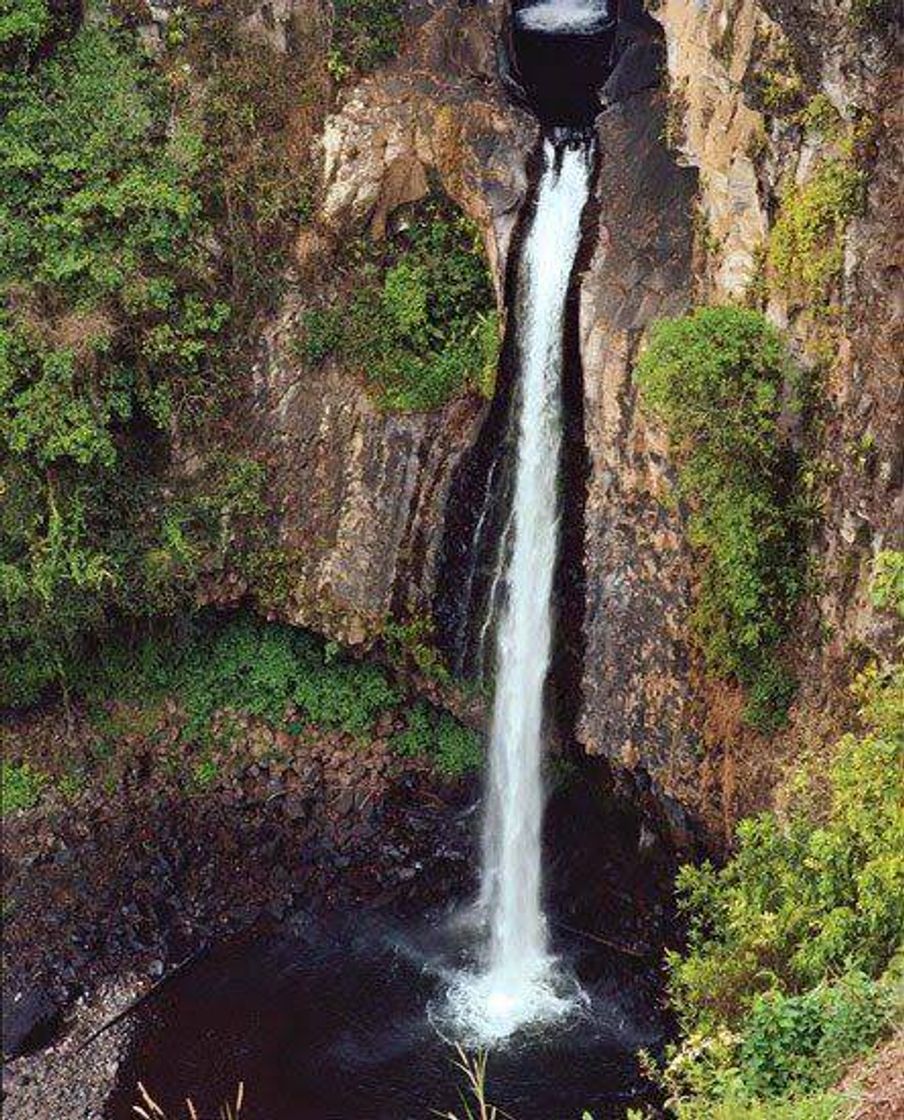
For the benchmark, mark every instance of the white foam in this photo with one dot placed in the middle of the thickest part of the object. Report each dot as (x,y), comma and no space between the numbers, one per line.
(564,17)
(491,1007)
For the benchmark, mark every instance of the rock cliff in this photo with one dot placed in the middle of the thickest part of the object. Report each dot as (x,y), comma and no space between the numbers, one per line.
(709,126)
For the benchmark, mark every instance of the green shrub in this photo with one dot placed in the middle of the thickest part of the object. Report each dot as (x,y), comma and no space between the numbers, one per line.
(793,961)
(257,668)
(801,899)
(23,26)
(806,246)
(887,585)
(770,694)
(365,33)
(800,1043)
(259,109)
(414,641)
(109,337)
(20,786)
(421,325)
(720,380)
(452,748)
(142,231)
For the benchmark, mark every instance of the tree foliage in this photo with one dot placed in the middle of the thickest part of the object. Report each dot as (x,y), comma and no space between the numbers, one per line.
(720,381)
(794,958)
(420,325)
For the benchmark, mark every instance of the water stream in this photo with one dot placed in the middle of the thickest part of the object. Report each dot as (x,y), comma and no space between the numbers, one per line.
(518,984)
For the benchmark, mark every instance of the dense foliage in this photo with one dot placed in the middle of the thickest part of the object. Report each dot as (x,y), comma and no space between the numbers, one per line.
(20,786)
(420,324)
(285,676)
(110,344)
(253,667)
(720,381)
(806,249)
(365,33)
(453,748)
(794,963)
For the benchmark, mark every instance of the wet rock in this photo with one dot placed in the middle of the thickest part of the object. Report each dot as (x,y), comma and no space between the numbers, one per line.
(31,1017)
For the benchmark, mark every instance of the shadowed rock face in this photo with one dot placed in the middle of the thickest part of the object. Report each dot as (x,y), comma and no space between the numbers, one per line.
(563,54)
(635,686)
(360,494)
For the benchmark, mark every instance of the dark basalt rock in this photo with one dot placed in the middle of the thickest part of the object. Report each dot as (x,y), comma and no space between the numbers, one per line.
(31,1019)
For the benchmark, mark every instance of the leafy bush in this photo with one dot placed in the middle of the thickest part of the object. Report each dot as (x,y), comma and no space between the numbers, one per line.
(804,898)
(20,786)
(800,1043)
(109,339)
(887,587)
(421,325)
(452,748)
(794,947)
(806,250)
(248,666)
(365,33)
(142,230)
(414,641)
(720,381)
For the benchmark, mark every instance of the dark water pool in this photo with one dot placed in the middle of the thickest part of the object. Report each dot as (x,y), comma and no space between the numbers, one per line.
(331,1020)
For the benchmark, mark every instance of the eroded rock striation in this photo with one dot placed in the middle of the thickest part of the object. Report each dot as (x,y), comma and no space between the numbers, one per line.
(360,492)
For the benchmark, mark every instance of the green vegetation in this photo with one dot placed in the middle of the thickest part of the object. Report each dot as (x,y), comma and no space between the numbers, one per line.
(258,112)
(20,786)
(365,33)
(247,666)
(452,748)
(109,341)
(413,642)
(794,961)
(144,228)
(820,118)
(779,82)
(806,249)
(887,584)
(420,325)
(721,382)
(287,677)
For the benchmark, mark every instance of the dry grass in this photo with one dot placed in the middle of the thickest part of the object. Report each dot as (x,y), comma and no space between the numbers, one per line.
(474,1097)
(150,1110)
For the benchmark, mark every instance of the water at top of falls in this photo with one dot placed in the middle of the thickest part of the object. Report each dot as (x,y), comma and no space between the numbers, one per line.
(518,983)
(564,17)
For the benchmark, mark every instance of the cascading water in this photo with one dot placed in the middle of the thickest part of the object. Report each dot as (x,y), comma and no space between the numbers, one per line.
(517,985)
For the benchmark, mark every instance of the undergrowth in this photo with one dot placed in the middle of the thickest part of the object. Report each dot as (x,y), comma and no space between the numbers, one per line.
(420,324)
(288,677)
(20,786)
(452,748)
(365,34)
(806,247)
(794,962)
(722,384)
(120,307)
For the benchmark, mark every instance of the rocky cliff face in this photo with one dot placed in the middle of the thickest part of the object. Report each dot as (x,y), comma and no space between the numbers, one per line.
(697,150)
(636,689)
(360,493)
(739,76)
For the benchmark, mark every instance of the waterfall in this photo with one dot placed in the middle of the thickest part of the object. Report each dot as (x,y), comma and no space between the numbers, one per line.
(517,983)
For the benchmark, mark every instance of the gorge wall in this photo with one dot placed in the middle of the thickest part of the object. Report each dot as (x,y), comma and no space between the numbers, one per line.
(696,156)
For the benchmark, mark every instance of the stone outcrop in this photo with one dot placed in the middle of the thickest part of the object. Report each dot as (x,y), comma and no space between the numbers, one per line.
(359,494)
(636,689)
(690,176)
(647,705)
